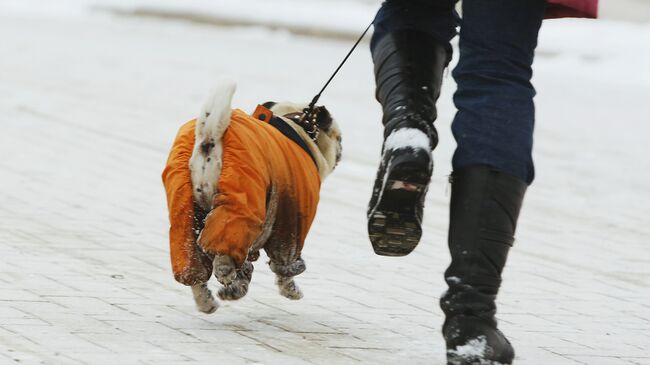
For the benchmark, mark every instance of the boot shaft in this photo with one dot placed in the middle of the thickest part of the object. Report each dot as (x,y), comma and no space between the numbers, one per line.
(408,73)
(484,209)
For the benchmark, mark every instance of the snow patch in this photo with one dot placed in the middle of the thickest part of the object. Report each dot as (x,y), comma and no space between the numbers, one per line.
(474,348)
(407,138)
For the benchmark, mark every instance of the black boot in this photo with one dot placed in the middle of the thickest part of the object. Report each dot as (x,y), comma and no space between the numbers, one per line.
(484,208)
(408,72)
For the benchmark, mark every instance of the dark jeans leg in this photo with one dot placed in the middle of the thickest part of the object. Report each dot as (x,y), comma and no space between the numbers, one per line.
(434,17)
(496,113)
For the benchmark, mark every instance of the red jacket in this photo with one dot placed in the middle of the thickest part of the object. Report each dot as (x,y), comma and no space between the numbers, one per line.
(571,8)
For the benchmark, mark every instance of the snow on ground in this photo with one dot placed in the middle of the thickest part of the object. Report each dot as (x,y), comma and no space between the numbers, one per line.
(333,18)
(89,105)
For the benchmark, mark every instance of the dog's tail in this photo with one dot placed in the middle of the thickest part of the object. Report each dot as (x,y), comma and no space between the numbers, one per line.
(205,163)
(215,114)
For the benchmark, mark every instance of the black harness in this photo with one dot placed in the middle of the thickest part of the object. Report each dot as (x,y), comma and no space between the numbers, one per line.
(278,123)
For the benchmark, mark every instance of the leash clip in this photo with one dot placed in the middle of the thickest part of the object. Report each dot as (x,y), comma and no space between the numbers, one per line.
(309,123)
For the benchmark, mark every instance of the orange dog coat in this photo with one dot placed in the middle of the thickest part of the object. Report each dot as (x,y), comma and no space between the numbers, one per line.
(261,166)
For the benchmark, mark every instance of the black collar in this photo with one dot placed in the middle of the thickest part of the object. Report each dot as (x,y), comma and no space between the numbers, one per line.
(263,113)
(291,133)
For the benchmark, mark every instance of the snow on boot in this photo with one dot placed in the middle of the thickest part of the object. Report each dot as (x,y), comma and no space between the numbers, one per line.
(473,338)
(474,341)
(408,72)
(484,209)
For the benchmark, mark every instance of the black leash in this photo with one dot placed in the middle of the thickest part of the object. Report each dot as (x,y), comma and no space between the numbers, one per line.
(308,118)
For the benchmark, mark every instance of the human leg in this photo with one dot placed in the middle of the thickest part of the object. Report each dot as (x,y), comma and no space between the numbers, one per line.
(492,167)
(496,113)
(484,208)
(410,48)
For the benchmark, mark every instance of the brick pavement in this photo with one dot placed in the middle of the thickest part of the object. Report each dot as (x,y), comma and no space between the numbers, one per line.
(88,109)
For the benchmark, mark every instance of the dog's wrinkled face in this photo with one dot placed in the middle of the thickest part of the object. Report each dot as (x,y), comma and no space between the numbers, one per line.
(329,136)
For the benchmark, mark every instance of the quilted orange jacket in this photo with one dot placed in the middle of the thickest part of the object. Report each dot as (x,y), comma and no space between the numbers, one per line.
(257,159)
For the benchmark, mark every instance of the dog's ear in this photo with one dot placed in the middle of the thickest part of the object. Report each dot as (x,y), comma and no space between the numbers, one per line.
(323,118)
(269,104)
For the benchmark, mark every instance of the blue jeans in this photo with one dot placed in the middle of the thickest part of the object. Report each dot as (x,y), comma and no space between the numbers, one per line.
(496,114)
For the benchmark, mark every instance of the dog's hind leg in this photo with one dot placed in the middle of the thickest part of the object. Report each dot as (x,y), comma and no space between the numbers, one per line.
(205,302)
(224,269)
(239,286)
(284,278)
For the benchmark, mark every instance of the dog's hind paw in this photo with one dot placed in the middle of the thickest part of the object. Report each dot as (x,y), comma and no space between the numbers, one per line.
(288,288)
(238,287)
(224,269)
(234,291)
(208,307)
(203,298)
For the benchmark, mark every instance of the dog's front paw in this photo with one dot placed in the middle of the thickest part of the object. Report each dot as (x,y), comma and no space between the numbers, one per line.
(225,269)
(239,287)
(288,288)
(203,298)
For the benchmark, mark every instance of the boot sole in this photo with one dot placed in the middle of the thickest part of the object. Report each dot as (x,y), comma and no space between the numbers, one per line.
(393,226)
